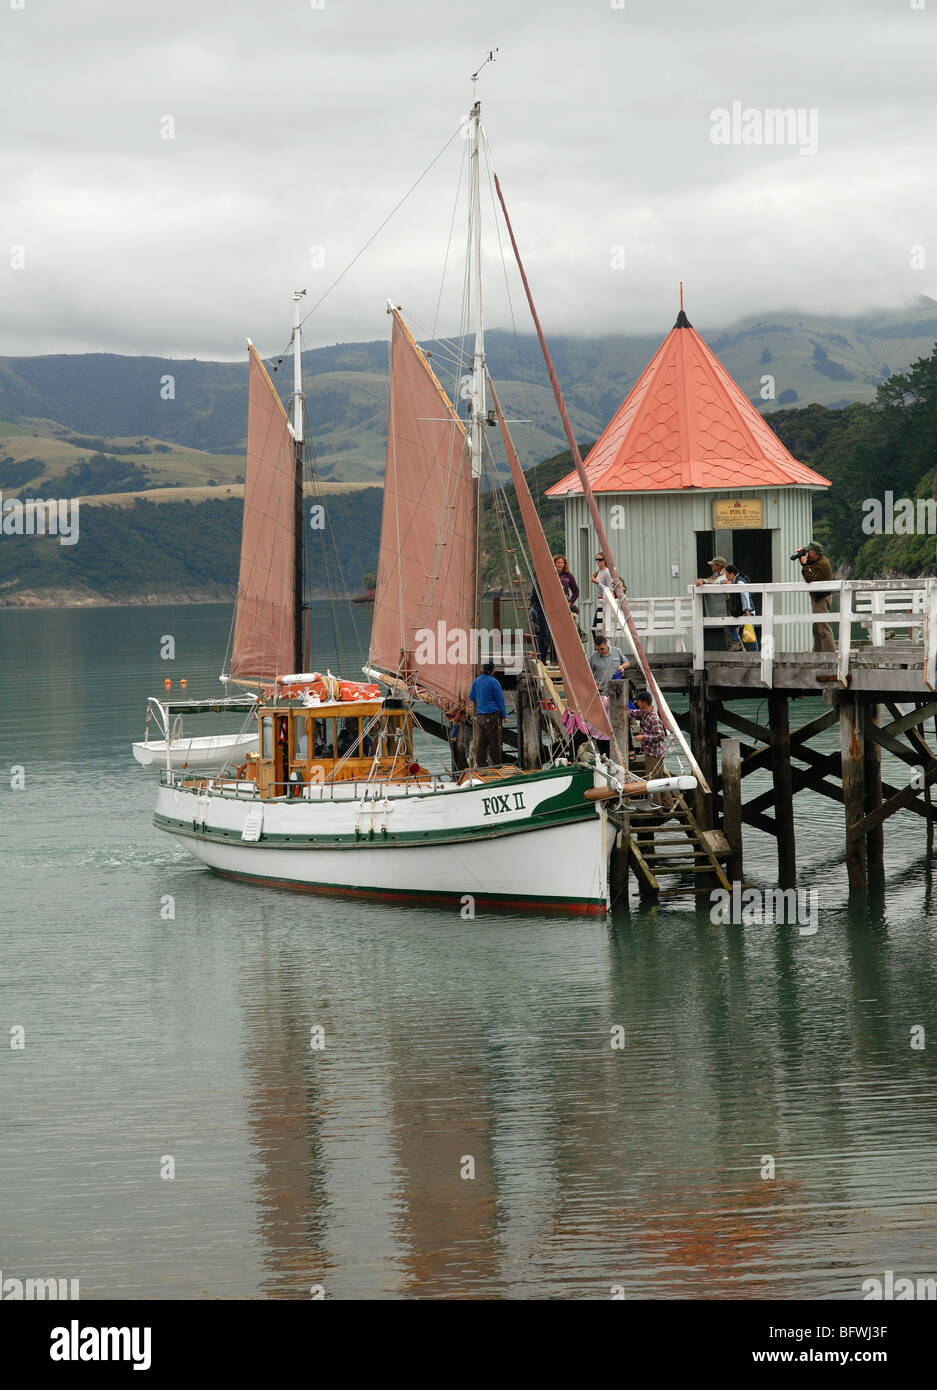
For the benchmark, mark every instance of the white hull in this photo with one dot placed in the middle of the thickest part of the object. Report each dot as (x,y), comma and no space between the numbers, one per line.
(209,752)
(346,844)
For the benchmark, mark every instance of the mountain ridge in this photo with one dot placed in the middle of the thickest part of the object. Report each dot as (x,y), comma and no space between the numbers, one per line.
(183,421)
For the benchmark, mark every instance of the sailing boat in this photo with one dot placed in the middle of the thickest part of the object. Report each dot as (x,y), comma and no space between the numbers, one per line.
(335,800)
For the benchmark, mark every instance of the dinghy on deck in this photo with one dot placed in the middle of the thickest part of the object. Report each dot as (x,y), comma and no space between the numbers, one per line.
(204,752)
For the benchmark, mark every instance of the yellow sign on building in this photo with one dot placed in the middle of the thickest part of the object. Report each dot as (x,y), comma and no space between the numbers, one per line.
(738,514)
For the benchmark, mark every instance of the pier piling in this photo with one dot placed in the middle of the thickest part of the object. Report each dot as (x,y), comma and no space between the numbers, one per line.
(782,778)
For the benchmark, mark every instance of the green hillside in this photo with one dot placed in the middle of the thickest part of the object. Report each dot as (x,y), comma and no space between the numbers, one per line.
(180,551)
(866,450)
(496,531)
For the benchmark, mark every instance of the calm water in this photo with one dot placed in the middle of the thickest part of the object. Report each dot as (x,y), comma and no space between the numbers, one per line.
(190,1039)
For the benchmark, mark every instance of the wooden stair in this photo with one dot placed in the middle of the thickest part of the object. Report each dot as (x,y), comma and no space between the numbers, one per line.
(672,844)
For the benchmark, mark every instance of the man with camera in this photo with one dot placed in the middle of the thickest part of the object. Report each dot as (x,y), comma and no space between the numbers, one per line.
(814,566)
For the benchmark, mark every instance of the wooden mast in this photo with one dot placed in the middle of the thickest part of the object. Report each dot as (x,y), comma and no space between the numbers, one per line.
(477,398)
(300,654)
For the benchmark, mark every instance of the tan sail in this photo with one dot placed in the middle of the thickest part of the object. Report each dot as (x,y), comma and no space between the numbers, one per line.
(582,693)
(424,606)
(264,625)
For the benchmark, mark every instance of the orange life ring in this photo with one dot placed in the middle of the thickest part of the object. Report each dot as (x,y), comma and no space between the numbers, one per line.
(325,688)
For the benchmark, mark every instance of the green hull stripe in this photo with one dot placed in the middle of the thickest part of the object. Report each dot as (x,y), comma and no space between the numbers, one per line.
(386,839)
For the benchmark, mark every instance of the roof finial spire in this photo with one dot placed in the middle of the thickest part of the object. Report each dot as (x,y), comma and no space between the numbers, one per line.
(682,320)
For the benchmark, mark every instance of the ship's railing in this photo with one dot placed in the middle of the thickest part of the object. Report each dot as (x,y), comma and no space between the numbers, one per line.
(342,790)
(882,607)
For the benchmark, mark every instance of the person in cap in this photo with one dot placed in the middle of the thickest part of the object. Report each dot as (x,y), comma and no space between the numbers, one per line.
(815,567)
(713,606)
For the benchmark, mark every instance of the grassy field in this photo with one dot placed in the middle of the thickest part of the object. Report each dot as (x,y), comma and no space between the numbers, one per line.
(55,455)
(206,494)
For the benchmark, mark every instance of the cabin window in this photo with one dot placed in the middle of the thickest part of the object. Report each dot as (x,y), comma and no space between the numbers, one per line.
(300,739)
(266,733)
(349,738)
(323,738)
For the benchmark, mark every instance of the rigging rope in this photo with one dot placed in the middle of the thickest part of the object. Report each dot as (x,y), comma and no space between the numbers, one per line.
(374,235)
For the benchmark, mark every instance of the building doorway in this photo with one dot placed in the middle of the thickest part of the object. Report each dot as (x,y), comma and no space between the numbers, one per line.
(751,551)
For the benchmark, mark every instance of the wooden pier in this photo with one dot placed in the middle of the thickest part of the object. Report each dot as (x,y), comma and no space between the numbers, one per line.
(878,692)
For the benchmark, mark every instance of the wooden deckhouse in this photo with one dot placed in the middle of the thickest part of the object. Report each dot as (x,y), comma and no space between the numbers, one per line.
(687,469)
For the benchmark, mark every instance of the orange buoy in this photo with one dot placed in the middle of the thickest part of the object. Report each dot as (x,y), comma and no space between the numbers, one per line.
(183,682)
(167,682)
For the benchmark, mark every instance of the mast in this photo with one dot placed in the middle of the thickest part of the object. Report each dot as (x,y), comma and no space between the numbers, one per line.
(478,356)
(296,429)
(477,397)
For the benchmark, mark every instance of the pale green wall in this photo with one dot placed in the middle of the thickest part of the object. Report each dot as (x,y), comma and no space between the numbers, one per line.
(659,529)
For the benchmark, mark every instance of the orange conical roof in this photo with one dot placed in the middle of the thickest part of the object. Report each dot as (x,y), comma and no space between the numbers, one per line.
(686,424)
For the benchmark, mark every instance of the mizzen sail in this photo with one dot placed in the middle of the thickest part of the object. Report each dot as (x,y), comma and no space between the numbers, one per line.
(424,606)
(582,693)
(265,619)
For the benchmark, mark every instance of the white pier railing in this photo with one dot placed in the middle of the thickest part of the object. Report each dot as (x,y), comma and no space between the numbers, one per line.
(881,606)
(668,620)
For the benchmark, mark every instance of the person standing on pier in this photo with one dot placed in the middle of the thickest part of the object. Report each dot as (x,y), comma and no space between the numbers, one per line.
(814,567)
(740,606)
(568,581)
(715,607)
(602,579)
(488,711)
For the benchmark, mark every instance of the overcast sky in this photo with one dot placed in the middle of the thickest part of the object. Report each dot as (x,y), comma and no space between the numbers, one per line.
(297,128)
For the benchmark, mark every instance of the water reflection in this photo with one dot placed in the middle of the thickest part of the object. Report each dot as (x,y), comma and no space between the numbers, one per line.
(593,1166)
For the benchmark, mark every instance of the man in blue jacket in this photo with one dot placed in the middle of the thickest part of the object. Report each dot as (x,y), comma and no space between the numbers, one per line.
(486,699)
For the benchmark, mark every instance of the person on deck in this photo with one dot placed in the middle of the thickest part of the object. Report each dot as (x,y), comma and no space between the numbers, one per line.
(486,699)
(814,567)
(740,606)
(653,734)
(456,742)
(606,663)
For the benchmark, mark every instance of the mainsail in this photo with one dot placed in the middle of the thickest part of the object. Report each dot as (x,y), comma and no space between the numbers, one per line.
(582,693)
(265,619)
(424,606)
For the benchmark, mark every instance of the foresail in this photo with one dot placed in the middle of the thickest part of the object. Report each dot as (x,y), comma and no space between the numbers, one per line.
(582,693)
(264,625)
(424,606)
